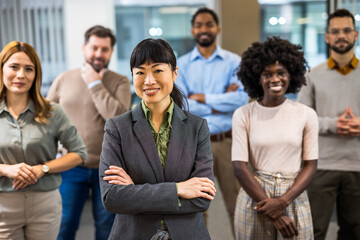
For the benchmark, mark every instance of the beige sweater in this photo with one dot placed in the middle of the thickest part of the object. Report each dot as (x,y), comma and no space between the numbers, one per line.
(88,109)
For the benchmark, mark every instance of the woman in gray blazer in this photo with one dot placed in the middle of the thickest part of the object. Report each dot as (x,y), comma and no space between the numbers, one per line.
(156,168)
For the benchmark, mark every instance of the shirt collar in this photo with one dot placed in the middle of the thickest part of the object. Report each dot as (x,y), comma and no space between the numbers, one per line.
(30,106)
(2,105)
(332,64)
(195,54)
(168,114)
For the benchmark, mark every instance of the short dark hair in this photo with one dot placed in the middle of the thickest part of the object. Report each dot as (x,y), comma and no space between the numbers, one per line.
(338,14)
(205,10)
(101,32)
(259,55)
(152,50)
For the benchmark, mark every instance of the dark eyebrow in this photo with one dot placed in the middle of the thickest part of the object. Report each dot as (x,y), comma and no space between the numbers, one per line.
(153,66)
(156,65)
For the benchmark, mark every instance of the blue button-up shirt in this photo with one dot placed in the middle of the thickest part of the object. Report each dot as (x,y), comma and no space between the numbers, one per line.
(211,77)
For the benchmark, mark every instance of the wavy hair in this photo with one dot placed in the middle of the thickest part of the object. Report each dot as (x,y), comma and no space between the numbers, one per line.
(259,55)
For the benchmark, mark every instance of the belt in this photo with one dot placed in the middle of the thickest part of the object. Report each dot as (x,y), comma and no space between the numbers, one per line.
(220,136)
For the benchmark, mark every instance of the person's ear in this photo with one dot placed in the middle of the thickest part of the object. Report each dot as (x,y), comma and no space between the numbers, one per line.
(175,74)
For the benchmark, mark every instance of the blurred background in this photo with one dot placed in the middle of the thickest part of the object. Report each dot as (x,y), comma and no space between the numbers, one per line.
(56,27)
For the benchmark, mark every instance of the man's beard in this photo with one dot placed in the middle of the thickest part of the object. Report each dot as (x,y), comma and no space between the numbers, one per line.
(98,67)
(206,43)
(342,50)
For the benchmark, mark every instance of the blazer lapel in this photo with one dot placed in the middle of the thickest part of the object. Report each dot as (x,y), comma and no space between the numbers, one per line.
(143,133)
(179,131)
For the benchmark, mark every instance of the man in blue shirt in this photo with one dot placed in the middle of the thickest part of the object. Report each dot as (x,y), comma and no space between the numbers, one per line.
(207,76)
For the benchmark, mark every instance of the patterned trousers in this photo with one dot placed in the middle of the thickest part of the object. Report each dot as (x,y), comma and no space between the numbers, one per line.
(251,225)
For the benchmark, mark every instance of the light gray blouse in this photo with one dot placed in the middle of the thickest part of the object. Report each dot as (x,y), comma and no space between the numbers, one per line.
(25,140)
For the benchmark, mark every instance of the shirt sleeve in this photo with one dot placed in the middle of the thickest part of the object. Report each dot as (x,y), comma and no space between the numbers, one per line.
(93,84)
(195,107)
(227,102)
(240,136)
(67,134)
(311,135)
(161,198)
(110,105)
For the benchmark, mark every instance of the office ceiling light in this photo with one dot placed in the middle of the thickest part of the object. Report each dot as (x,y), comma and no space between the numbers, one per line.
(282,20)
(357,17)
(155,32)
(273,21)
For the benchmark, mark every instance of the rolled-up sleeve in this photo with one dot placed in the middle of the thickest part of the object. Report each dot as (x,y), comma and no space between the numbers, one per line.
(67,133)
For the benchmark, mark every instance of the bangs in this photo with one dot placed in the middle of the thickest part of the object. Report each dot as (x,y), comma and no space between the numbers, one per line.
(152,51)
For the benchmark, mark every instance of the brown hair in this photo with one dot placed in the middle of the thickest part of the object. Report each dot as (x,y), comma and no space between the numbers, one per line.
(42,106)
(339,13)
(101,32)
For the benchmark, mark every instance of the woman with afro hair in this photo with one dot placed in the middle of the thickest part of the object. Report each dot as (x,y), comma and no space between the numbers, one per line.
(279,139)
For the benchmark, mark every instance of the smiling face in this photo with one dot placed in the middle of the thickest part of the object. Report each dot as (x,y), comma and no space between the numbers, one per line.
(341,35)
(205,30)
(97,52)
(274,81)
(18,74)
(153,83)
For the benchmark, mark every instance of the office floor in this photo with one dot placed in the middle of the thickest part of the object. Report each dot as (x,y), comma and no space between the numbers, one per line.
(219,224)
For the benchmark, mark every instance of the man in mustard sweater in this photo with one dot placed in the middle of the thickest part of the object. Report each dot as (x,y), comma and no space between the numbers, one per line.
(89,96)
(333,90)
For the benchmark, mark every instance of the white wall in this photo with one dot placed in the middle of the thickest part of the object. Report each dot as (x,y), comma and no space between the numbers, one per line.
(79,15)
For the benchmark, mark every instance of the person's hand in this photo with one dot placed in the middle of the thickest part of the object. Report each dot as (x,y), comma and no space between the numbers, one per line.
(21,184)
(232,87)
(342,124)
(117,175)
(196,187)
(89,75)
(199,97)
(354,124)
(20,171)
(271,207)
(18,184)
(285,226)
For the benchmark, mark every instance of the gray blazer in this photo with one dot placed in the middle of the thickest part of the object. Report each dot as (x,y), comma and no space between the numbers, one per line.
(128,143)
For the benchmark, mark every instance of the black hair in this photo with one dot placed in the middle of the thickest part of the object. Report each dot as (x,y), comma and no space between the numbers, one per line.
(153,50)
(338,14)
(205,10)
(101,32)
(259,55)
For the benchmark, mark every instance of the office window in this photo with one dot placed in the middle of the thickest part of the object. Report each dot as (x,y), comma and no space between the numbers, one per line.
(301,23)
(169,22)
(40,24)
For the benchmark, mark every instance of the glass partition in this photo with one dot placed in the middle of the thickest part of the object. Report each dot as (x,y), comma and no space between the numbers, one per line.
(135,23)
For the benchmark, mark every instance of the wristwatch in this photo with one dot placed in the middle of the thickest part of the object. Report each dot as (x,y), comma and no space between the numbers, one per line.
(45,168)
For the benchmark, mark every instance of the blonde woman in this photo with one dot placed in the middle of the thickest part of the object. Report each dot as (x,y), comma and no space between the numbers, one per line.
(30,128)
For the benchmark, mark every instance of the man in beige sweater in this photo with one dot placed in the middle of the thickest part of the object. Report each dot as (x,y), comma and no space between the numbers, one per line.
(89,96)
